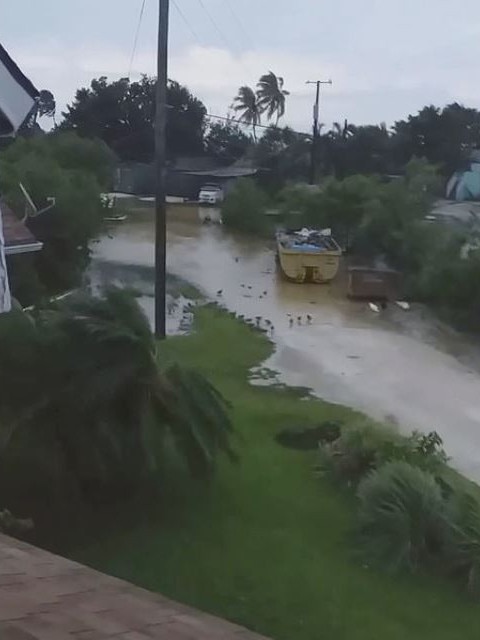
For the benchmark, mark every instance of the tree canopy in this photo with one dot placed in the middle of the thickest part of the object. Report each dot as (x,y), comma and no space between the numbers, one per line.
(226,142)
(445,137)
(122,113)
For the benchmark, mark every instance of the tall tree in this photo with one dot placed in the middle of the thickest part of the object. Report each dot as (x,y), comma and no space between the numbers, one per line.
(271,96)
(122,113)
(46,105)
(445,137)
(226,142)
(246,103)
(285,154)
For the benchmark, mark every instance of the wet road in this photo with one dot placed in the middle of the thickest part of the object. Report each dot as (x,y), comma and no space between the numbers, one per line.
(398,366)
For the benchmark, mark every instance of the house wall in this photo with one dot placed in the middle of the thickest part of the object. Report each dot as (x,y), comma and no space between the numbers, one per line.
(5,299)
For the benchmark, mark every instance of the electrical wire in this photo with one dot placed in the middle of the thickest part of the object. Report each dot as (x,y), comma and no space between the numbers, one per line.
(137,34)
(214,24)
(257,126)
(239,23)
(186,21)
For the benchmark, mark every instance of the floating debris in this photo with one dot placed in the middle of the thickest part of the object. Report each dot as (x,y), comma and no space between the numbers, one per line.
(374,307)
(403,305)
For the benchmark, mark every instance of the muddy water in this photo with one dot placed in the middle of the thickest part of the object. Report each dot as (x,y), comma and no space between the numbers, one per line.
(404,367)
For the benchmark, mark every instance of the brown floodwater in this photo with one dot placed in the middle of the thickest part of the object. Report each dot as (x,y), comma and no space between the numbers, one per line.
(402,367)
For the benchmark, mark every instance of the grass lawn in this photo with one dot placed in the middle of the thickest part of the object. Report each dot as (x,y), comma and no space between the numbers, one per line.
(267,544)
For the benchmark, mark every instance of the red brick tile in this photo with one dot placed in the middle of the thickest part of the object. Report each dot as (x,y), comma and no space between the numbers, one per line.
(10,632)
(45,597)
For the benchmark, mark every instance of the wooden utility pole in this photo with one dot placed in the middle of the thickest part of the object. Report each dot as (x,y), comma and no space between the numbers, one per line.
(160,166)
(316,130)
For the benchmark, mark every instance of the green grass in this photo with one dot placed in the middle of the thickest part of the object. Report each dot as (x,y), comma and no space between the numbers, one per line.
(267,543)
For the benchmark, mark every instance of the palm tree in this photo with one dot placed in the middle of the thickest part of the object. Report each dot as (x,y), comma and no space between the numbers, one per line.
(344,131)
(271,96)
(87,373)
(246,102)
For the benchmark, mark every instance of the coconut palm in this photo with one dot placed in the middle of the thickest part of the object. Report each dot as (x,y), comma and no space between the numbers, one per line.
(246,102)
(343,132)
(88,374)
(271,96)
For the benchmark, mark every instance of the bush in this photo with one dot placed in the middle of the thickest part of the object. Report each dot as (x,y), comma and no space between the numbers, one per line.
(402,517)
(358,451)
(244,208)
(69,169)
(463,541)
(351,456)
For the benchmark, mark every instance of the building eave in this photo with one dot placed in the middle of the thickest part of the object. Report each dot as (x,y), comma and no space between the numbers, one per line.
(17,249)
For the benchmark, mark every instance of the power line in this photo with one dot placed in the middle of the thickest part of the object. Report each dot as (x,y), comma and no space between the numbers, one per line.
(186,21)
(215,25)
(137,33)
(239,23)
(257,126)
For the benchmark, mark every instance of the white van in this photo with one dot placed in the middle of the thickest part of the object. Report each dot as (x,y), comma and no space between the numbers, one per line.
(211,194)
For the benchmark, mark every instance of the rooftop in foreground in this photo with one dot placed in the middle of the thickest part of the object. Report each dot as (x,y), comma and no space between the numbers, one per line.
(45,597)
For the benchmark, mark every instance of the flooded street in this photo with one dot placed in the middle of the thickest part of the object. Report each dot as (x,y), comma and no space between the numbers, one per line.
(403,367)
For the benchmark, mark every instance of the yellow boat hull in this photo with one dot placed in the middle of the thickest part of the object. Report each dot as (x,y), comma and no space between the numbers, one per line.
(303,267)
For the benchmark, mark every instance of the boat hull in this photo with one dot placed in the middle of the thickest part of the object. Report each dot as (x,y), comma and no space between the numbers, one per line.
(300,266)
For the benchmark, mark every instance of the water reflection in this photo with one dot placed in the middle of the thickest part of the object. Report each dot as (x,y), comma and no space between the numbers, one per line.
(406,366)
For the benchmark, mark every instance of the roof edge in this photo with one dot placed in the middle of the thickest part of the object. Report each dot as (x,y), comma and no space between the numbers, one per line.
(12,67)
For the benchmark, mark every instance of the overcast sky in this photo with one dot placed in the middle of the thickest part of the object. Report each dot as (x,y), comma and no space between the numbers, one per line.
(387,58)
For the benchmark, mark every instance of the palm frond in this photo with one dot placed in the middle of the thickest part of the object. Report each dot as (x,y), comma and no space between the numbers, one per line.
(402,518)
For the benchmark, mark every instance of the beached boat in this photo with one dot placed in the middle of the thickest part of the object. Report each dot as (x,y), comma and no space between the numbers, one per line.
(308,255)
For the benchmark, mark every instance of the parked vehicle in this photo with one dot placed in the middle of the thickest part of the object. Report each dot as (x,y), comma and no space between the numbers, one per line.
(308,255)
(211,194)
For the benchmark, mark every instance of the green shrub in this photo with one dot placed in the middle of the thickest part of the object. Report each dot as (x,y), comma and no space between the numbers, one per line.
(352,455)
(358,451)
(402,517)
(463,542)
(69,169)
(244,208)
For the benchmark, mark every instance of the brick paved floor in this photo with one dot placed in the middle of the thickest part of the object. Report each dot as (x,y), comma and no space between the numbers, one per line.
(45,597)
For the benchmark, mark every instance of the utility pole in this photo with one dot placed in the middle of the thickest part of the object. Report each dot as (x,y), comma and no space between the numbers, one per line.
(316,131)
(160,167)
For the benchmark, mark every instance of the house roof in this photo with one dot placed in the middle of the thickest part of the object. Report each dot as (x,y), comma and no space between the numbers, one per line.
(189,164)
(225,172)
(17,95)
(17,74)
(18,238)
